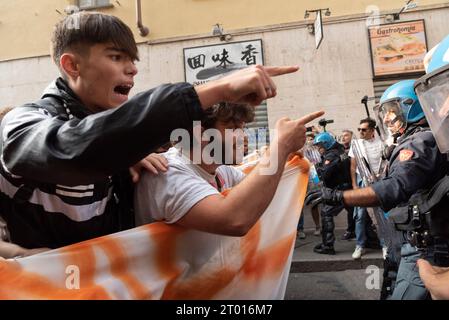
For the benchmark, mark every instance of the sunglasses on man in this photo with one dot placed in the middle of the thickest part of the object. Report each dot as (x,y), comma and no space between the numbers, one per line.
(363,129)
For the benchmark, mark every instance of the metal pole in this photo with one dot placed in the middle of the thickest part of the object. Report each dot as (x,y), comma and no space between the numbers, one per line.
(365,103)
(144,31)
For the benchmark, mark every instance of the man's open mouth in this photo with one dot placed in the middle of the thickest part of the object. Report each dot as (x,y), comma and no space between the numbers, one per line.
(123,89)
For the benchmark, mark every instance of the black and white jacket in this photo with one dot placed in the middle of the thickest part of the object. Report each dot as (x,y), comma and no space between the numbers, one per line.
(64,169)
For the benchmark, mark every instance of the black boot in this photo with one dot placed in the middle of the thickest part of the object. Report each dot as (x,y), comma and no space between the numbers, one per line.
(323,249)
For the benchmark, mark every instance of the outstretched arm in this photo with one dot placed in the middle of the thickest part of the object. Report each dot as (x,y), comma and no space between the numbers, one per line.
(250,85)
(36,144)
(236,213)
(363,197)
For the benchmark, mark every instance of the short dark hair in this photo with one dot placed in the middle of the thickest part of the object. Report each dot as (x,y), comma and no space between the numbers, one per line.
(371,122)
(227,112)
(82,30)
(224,112)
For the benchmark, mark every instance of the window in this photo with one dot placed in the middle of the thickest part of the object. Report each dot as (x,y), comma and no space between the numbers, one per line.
(93,4)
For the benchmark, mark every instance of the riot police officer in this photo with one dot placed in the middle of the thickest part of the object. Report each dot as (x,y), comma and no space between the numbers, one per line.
(414,164)
(433,92)
(334,171)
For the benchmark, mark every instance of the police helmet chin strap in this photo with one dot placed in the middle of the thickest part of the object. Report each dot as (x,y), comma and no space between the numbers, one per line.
(401,130)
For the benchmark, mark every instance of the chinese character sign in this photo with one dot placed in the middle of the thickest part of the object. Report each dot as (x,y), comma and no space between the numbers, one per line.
(398,48)
(206,63)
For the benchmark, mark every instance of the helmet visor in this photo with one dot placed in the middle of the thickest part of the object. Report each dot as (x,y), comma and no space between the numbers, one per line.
(390,119)
(433,94)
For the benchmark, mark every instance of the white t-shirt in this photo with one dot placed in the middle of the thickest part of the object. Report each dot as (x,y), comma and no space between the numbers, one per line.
(371,151)
(169,196)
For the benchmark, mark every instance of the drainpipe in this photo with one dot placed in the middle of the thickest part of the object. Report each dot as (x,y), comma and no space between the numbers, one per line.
(144,31)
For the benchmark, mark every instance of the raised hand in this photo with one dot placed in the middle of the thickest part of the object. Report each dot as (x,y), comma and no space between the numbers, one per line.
(290,135)
(251,85)
(435,279)
(154,163)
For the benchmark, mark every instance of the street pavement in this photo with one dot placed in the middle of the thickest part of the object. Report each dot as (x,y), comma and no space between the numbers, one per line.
(340,285)
(333,277)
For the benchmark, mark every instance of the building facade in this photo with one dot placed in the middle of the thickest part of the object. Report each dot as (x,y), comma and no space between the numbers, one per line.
(333,77)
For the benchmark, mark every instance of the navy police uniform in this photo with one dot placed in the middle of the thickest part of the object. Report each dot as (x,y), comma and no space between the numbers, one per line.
(334,171)
(415,164)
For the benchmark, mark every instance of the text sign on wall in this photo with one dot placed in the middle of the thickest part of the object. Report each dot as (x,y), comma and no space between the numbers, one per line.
(398,48)
(202,64)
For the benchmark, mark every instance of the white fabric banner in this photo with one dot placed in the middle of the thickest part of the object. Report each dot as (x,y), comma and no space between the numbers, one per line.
(158,261)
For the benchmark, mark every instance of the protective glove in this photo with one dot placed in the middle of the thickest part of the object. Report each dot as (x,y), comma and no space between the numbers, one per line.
(387,151)
(332,197)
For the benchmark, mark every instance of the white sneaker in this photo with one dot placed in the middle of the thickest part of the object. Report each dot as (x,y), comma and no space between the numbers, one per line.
(301,235)
(384,252)
(358,252)
(317,233)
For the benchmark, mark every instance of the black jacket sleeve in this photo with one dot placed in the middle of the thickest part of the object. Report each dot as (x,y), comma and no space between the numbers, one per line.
(46,148)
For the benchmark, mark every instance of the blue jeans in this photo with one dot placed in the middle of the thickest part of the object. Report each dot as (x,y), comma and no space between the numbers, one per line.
(360,225)
(360,217)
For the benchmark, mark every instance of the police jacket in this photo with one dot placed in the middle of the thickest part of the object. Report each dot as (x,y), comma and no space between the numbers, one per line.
(64,170)
(415,164)
(334,170)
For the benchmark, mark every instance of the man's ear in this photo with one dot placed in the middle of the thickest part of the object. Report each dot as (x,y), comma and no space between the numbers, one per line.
(69,65)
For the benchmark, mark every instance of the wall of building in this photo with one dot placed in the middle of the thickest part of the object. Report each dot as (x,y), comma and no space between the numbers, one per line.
(333,78)
(25,26)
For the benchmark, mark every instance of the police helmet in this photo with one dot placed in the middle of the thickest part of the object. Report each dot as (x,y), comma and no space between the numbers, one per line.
(325,139)
(403,93)
(398,107)
(433,93)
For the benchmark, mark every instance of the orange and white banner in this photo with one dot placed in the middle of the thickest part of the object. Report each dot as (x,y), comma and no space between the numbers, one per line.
(158,261)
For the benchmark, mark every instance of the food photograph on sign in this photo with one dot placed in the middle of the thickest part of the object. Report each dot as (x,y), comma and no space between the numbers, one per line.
(398,48)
